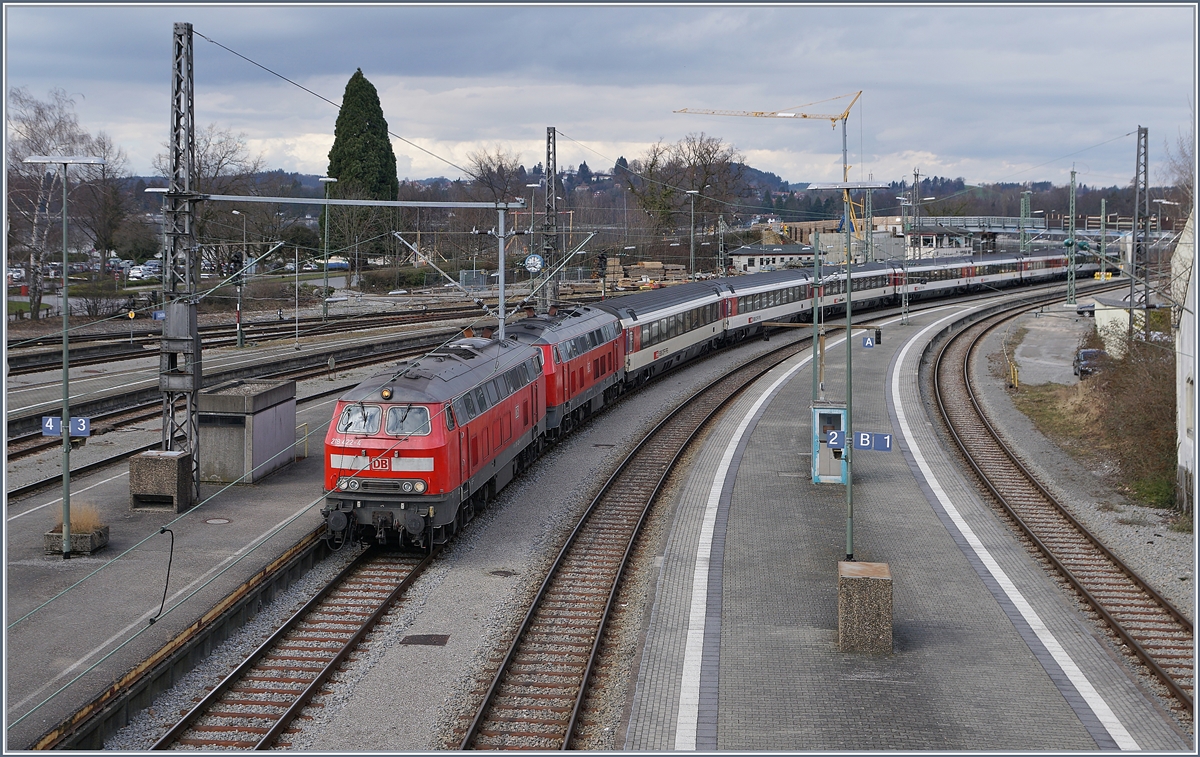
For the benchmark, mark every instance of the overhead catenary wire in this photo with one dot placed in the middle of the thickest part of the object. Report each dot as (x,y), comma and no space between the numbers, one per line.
(325,99)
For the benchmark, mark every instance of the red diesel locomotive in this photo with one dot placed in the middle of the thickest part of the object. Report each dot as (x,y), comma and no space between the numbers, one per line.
(412,455)
(583,357)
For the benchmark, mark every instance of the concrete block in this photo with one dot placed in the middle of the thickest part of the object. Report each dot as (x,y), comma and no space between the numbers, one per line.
(247,430)
(864,607)
(86,544)
(161,479)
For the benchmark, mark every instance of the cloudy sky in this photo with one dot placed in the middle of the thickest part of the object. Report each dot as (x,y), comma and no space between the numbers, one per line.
(1013,93)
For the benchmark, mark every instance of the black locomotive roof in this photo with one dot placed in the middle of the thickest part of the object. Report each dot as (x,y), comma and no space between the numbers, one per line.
(444,373)
(568,323)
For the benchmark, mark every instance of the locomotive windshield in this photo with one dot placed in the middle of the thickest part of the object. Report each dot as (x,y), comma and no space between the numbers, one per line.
(408,420)
(360,419)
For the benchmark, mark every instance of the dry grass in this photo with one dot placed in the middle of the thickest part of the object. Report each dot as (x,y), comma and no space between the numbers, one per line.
(85,518)
(1068,414)
(1124,414)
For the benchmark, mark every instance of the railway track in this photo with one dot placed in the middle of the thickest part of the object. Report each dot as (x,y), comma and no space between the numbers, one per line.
(223,335)
(539,689)
(254,705)
(25,445)
(1145,625)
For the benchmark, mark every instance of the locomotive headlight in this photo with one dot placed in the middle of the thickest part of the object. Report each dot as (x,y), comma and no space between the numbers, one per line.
(341,483)
(386,393)
(407,486)
(353,484)
(419,487)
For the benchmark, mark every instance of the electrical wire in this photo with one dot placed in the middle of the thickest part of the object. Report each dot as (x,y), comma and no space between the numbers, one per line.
(326,99)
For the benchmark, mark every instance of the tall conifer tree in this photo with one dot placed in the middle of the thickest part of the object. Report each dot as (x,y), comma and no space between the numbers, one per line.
(364,164)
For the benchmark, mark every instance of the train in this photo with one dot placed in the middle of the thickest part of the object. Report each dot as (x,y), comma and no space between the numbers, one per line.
(414,453)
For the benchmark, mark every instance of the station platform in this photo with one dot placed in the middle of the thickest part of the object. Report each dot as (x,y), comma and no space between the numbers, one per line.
(75,627)
(741,646)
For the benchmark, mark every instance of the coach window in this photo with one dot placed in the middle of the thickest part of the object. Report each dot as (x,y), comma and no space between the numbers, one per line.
(408,420)
(449,417)
(489,390)
(359,419)
(481,402)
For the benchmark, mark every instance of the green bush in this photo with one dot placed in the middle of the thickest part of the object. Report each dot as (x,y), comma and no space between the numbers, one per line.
(1156,492)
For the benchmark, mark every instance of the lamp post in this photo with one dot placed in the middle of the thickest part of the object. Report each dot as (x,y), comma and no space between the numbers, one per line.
(848,453)
(692,234)
(326,180)
(1158,215)
(65,428)
(237,279)
(904,203)
(165,278)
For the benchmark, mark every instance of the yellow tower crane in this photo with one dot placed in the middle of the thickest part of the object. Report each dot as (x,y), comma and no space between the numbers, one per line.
(798,113)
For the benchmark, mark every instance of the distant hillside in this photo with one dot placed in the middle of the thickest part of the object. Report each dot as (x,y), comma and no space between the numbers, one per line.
(767,180)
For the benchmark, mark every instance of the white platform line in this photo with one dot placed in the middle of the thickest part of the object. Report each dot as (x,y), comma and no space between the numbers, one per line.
(1093,699)
(693,654)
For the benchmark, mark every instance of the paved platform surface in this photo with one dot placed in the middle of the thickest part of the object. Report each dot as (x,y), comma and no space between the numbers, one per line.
(741,646)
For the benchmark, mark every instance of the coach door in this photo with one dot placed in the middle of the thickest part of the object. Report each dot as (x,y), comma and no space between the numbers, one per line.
(464,465)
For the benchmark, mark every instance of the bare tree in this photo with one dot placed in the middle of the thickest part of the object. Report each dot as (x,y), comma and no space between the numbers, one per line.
(1181,162)
(37,127)
(223,166)
(661,179)
(495,175)
(103,206)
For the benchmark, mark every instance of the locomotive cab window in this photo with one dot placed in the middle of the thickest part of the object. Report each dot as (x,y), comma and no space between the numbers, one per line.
(359,419)
(408,420)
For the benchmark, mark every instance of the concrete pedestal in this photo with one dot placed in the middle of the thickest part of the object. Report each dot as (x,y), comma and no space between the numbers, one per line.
(160,479)
(247,430)
(864,607)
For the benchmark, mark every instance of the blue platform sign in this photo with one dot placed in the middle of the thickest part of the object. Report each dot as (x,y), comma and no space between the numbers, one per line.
(881,442)
(837,439)
(868,342)
(52,426)
(862,440)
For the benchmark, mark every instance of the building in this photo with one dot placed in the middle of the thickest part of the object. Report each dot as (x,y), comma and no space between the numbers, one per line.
(1183,291)
(753,258)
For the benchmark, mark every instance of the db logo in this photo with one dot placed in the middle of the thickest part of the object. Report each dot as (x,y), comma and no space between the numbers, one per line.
(380,463)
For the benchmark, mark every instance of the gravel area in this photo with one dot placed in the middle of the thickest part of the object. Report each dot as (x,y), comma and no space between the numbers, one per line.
(393,696)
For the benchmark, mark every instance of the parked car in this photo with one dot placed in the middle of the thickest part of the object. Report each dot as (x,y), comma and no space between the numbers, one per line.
(16,274)
(137,272)
(1086,309)
(1088,362)
(309,267)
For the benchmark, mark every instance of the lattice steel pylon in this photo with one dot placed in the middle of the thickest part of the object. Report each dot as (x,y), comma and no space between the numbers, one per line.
(1072,244)
(1141,193)
(549,293)
(180,376)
